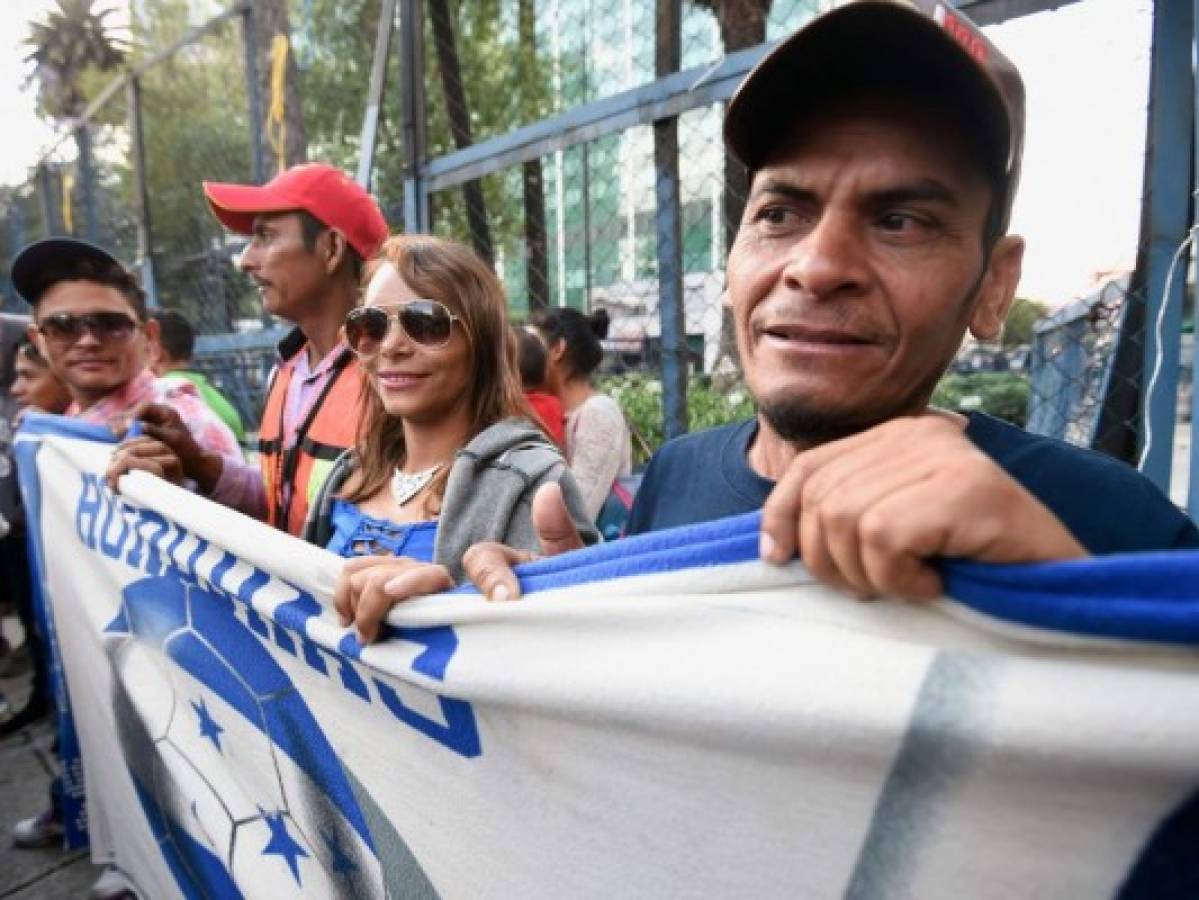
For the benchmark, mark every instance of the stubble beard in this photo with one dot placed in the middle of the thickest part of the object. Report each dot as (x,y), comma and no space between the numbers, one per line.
(802,425)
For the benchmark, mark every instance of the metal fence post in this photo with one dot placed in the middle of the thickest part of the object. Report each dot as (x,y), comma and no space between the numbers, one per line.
(1171,114)
(416,194)
(51,211)
(87,182)
(668,218)
(145,234)
(14,226)
(253,100)
(1193,480)
(374,98)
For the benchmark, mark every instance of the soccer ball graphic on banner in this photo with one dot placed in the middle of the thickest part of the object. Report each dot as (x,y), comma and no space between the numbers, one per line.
(241,788)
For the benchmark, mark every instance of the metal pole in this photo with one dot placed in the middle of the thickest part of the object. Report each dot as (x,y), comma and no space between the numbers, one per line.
(15,226)
(416,196)
(374,99)
(586,160)
(87,182)
(1171,125)
(253,99)
(145,236)
(1193,480)
(668,218)
(50,210)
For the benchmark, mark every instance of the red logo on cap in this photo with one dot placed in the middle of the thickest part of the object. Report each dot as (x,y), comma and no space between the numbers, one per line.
(962,33)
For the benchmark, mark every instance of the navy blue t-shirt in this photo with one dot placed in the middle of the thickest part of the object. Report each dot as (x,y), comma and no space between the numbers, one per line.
(1108,506)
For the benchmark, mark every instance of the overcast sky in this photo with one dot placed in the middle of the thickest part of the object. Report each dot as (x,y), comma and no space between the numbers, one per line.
(1086,70)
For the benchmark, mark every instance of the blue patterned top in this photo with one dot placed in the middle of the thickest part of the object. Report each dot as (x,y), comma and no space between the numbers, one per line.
(357,534)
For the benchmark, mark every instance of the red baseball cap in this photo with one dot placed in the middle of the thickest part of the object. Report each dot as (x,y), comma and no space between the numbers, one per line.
(327,193)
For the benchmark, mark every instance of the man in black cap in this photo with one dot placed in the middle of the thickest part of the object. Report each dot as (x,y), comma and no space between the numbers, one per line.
(883,141)
(90,325)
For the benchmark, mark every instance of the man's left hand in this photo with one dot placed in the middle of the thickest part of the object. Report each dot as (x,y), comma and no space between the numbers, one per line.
(868,513)
(147,454)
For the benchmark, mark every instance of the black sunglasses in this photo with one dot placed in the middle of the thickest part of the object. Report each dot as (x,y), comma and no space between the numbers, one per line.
(428,323)
(67,328)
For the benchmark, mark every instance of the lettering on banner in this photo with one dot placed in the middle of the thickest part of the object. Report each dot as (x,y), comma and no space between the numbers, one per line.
(147,541)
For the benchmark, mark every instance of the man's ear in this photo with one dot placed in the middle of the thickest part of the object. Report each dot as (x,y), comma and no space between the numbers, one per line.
(35,337)
(152,332)
(336,250)
(998,288)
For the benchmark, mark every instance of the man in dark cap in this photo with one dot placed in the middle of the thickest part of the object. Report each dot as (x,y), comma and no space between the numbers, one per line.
(883,141)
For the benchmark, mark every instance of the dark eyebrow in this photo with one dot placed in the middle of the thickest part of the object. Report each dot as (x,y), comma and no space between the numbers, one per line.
(926,190)
(785,189)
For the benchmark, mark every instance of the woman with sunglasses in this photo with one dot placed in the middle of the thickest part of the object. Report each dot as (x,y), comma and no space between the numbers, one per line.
(447,455)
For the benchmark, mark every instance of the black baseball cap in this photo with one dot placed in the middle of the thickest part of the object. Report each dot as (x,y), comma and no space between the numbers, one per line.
(919,46)
(30,264)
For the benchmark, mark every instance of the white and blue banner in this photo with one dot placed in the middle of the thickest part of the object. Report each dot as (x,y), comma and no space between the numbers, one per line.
(663,717)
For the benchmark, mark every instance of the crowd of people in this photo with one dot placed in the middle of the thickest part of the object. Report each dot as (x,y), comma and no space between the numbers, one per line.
(411,428)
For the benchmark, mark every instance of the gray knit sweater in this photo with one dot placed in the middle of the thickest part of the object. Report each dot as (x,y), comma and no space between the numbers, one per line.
(488,496)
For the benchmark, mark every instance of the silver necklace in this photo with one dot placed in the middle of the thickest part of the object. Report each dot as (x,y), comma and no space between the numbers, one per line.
(405,486)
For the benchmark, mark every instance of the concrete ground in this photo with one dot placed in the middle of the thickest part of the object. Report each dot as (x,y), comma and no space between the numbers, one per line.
(26,767)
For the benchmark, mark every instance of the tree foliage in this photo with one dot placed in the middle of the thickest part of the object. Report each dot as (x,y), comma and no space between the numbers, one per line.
(1021,319)
(71,42)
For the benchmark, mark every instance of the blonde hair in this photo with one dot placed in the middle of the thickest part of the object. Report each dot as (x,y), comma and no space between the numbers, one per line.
(447,271)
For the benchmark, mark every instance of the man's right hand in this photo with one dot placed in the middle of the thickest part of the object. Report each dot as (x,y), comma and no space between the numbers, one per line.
(489,565)
(163,423)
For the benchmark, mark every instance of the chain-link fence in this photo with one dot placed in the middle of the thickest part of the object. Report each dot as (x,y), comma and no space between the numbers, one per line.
(576,144)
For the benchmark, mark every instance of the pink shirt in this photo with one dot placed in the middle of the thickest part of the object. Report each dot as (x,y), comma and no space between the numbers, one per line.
(240,485)
(115,411)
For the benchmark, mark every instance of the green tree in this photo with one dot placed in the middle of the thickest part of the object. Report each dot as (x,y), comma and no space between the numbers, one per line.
(196,128)
(71,42)
(1021,319)
(285,142)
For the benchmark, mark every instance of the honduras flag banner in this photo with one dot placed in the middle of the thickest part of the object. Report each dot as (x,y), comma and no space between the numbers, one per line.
(660,717)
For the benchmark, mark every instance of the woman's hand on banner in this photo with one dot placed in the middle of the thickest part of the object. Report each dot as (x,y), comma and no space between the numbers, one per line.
(488,565)
(369,586)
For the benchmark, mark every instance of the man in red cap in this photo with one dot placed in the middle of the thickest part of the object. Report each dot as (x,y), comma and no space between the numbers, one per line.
(310,229)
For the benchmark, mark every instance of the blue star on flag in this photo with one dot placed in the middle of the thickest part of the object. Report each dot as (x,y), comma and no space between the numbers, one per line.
(342,863)
(208,726)
(283,844)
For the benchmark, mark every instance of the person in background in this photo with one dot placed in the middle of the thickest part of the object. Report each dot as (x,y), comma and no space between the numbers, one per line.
(310,230)
(33,387)
(530,352)
(171,357)
(598,443)
(447,454)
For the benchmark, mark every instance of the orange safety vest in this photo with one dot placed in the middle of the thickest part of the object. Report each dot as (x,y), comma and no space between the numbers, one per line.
(328,429)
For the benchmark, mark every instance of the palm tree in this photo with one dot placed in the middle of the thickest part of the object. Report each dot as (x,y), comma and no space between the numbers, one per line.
(70,41)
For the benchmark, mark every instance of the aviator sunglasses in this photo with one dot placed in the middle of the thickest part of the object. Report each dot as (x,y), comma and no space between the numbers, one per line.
(427,323)
(67,328)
